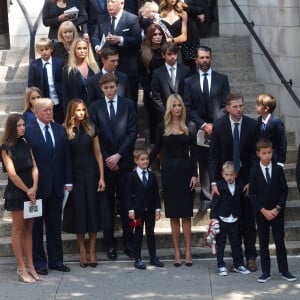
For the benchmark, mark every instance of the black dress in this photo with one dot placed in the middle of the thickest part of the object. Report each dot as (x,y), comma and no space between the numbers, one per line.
(178,165)
(60,51)
(81,213)
(22,160)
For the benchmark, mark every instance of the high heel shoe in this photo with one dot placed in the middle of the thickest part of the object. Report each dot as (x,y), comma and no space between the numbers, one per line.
(24,276)
(31,271)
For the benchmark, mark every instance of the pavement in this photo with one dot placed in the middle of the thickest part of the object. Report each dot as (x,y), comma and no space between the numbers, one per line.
(118,279)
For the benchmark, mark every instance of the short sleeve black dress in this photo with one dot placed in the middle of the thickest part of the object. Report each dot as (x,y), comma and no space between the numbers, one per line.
(81,213)
(22,160)
(178,165)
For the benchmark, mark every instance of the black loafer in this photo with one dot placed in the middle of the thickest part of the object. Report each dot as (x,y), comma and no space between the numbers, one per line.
(61,268)
(42,271)
(111,253)
(139,264)
(156,262)
(83,265)
(93,265)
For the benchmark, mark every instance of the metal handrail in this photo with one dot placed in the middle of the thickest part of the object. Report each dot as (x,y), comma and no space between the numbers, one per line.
(250,25)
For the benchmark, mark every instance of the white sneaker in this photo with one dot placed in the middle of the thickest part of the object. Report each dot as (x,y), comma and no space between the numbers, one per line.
(242,270)
(223,271)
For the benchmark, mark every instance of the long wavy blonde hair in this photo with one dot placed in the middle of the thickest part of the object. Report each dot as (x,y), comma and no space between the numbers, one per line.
(90,59)
(70,119)
(168,115)
(163,8)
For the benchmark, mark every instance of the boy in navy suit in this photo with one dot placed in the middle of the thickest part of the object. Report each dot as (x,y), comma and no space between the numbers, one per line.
(45,73)
(143,206)
(271,127)
(268,193)
(226,209)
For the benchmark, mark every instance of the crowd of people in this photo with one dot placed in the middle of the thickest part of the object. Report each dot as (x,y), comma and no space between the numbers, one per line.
(81,128)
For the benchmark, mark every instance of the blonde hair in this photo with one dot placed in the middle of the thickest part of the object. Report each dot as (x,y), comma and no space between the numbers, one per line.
(41,103)
(266,100)
(147,8)
(28,93)
(228,165)
(71,119)
(66,26)
(163,8)
(43,42)
(168,115)
(90,59)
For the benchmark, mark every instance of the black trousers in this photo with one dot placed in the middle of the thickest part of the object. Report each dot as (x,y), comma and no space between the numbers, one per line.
(263,229)
(147,218)
(234,235)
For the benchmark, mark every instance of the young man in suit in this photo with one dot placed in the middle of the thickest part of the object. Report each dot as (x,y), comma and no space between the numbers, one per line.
(143,203)
(123,32)
(45,74)
(233,138)
(268,194)
(205,98)
(110,60)
(50,148)
(115,120)
(168,79)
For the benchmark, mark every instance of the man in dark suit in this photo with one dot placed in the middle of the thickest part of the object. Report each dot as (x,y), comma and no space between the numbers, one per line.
(203,107)
(115,120)
(51,151)
(122,31)
(45,74)
(233,139)
(110,59)
(168,79)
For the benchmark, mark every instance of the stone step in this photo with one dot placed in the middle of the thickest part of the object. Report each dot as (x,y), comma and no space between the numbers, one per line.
(237,74)
(290,171)
(14,57)
(247,88)
(12,103)
(12,72)
(226,44)
(221,59)
(13,87)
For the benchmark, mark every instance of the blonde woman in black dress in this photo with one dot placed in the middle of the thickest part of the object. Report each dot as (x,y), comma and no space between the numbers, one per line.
(178,173)
(19,163)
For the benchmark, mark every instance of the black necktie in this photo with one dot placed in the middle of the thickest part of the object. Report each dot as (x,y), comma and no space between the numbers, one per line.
(263,127)
(113,21)
(112,113)
(46,92)
(205,91)
(268,176)
(144,178)
(236,147)
(49,141)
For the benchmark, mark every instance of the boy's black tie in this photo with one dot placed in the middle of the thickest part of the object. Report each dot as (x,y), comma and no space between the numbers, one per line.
(268,176)
(144,178)
(46,92)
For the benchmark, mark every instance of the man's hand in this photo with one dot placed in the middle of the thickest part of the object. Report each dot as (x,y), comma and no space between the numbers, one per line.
(208,128)
(113,39)
(214,190)
(112,162)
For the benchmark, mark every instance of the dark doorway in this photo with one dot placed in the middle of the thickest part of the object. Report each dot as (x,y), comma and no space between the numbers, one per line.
(4,30)
(211,26)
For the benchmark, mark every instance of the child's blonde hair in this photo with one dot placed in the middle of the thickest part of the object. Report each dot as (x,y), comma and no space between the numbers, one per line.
(43,42)
(228,165)
(266,100)
(28,93)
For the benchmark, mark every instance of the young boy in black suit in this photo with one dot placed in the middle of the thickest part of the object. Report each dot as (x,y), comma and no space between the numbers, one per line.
(268,193)
(226,209)
(271,127)
(143,205)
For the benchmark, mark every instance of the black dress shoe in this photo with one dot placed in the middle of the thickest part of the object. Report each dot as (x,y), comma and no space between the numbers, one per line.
(156,262)
(188,264)
(138,264)
(61,268)
(42,271)
(83,265)
(93,265)
(176,265)
(111,253)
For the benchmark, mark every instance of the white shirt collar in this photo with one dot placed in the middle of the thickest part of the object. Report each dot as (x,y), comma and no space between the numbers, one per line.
(140,171)
(168,66)
(266,119)
(233,122)
(115,99)
(47,61)
(208,72)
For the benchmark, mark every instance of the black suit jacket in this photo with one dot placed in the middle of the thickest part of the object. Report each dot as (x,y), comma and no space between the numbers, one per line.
(275,132)
(162,86)
(128,27)
(267,196)
(95,92)
(54,170)
(140,197)
(35,75)
(227,204)
(198,110)
(221,147)
(120,140)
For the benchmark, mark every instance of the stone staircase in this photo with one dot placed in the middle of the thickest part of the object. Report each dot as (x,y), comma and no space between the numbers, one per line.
(231,55)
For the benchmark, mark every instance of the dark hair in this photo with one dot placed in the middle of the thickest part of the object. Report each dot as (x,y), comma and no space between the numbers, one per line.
(263,143)
(171,46)
(10,136)
(204,48)
(108,77)
(231,96)
(138,152)
(108,51)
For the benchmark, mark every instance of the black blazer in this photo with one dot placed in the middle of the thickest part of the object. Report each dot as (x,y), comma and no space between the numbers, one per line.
(128,27)
(198,110)
(54,170)
(120,140)
(162,86)
(95,92)
(140,197)
(35,75)
(227,204)
(221,147)
(267,196)
(275,132)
